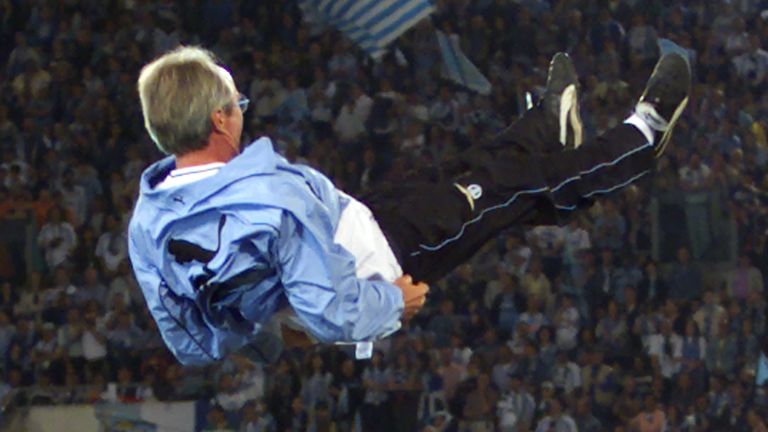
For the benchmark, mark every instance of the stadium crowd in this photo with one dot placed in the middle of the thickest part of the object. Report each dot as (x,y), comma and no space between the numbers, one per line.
(548,329)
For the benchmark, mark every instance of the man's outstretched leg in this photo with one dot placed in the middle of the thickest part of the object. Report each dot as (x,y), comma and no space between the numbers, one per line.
(553,126)
(434,227)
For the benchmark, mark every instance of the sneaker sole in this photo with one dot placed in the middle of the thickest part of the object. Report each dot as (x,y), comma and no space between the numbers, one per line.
(662,145)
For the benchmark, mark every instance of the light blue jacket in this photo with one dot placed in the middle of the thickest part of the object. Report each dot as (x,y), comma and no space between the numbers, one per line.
(217,257)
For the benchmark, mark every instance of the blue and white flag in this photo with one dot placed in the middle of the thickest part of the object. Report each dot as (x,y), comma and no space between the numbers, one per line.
(761,376)
(371,24)
(458,68)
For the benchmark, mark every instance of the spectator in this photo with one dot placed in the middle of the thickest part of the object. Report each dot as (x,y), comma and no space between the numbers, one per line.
(627,404)
(642,38)
(752,65)
(536,285)
(94,338)
(710,314)
(549,242)
(122,334)
(515,406)
(721,350)
(684,393)
(756,421)
(652,287)
(112,246)
(566,375)
(256,418)
(375,378)
(57,239)
(73,198)
(651,419)
(347,388)
(32,81)
(505,306)
(26,335)
(748,344)
(666,349)
(626,276)
(585,420)
(609,228)
(600,377)
(445,110)
(230,395)
(744,280)
(45,351)
(284,384)
(8,296)
(403,393)
(604,287)
(451,372)
(7,332)
(480,403)
(92,289)
(533,319)
(216,420)
(694,346)
(612,330)
(547,352)
(517,257)
(718,398)
(576,239)
(316,384)
(556,420)
(123,287)
(684,278)
(348,125)
(70,337)
(567,322)
(444,323)
(696,179)
(323,422)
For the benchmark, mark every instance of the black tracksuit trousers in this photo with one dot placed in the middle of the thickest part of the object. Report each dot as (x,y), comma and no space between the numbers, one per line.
(523,177)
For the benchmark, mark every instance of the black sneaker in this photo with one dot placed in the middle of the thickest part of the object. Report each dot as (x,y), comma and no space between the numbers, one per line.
(561,100)
(665,97)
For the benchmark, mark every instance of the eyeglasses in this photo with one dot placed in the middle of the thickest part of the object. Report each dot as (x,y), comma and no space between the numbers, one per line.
(243,102)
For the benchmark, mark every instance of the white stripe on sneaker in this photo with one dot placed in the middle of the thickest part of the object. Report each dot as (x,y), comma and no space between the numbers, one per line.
(576,125)
(567,102)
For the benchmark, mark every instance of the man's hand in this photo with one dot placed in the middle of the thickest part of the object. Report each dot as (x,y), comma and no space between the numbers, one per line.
(414,295)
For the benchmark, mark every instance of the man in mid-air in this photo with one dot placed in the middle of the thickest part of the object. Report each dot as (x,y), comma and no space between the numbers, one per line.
(235,247)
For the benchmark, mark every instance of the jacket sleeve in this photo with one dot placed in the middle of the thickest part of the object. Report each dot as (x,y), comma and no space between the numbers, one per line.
(331,301)
(182,325)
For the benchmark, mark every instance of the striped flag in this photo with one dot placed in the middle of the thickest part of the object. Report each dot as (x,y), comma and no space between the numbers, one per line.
(458,68)
(371,24)
(761,376)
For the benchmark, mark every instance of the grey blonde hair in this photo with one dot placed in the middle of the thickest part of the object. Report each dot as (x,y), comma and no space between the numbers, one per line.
(179,90)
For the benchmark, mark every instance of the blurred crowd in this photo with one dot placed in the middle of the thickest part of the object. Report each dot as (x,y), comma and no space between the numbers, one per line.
(644,313)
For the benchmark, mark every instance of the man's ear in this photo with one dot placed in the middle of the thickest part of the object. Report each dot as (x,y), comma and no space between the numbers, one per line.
(217,120)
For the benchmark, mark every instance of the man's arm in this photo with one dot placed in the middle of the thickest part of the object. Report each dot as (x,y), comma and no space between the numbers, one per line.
(178,318)
(70,238)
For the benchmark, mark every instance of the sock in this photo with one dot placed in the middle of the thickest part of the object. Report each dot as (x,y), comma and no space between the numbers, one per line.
(638,122)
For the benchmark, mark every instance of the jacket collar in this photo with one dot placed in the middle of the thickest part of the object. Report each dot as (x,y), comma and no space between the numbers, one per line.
(258,158)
